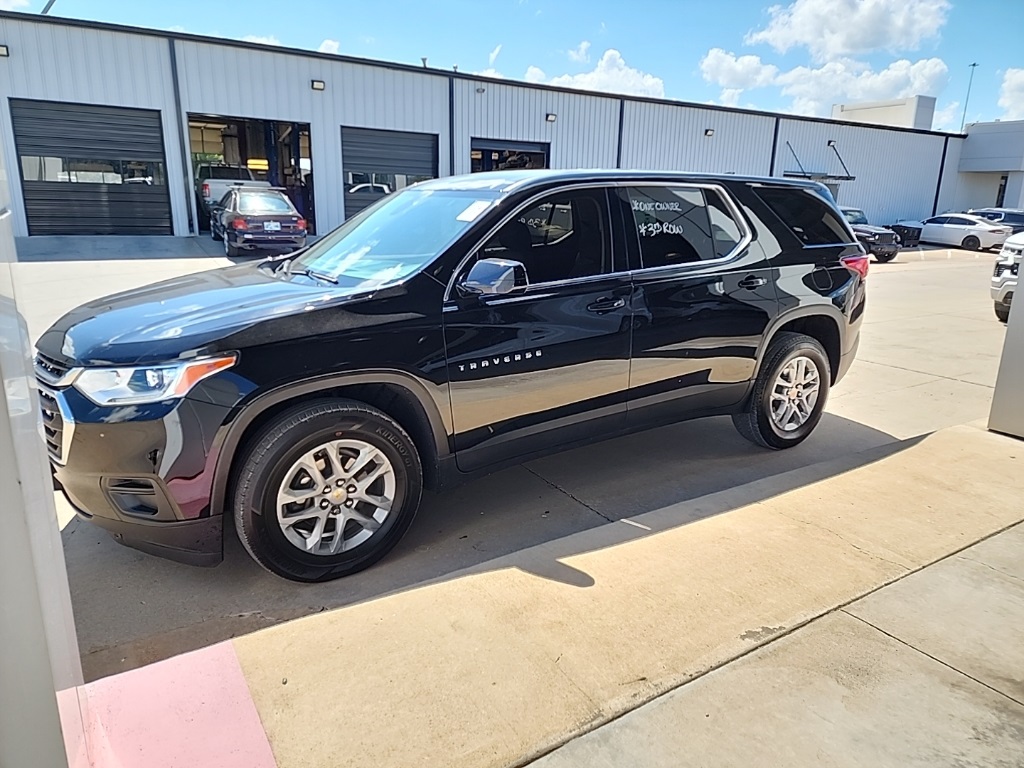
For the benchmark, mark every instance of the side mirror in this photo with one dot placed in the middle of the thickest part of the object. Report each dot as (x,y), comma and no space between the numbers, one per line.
(489,277)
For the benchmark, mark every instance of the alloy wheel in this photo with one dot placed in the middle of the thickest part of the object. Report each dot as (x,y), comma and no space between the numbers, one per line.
(794,394)
(335,497)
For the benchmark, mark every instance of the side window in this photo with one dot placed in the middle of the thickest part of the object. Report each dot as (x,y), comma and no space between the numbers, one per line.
(675,225)
(225,202)
(937,220)
(561,237)
(960,221)
(808,216)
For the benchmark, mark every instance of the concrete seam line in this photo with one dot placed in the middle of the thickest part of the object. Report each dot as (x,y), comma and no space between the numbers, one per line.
(1000,571)
(912,647)
(926,373)
(600,722)
(567,493)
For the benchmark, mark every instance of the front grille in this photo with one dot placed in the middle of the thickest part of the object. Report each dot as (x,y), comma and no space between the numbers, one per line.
(886,237)
(50,371)
(53,424)
(1002,268)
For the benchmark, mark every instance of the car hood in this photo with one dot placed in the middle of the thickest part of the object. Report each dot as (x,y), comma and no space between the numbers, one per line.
(869,229)
(185,316)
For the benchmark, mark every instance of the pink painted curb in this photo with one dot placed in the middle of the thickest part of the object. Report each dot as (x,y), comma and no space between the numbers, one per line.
(190,711)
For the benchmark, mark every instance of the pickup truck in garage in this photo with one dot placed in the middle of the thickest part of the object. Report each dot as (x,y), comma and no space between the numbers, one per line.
(213,181)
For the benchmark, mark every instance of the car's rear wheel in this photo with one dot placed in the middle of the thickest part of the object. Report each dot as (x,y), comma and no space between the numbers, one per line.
(231,251)
(1002,312)
(971,243)
(789,394)
(326,490)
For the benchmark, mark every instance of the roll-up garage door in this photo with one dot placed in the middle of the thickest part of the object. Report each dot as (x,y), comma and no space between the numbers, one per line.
(379,162)
(91,170)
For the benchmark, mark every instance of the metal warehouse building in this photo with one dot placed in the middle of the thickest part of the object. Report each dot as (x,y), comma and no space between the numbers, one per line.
(104,126)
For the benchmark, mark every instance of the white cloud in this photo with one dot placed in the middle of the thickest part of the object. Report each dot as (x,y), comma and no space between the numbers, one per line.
(262,39)
(611,74)
(489,72)
(581,52)
(947,118)
(329,46)
(534,75)
(13,5)
(1011,94)
(736,72)
(813,90)
(493,54)
(832,29)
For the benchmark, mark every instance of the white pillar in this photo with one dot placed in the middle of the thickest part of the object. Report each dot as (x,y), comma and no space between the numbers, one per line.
(1007,414)
(38,647)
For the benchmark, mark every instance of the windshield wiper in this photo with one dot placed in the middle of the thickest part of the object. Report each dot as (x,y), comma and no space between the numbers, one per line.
(316,276)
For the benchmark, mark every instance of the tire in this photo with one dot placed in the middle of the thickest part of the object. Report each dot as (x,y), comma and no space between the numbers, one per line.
(756,422)
(267,469)
(971,243)
(1002,312)
(883,258)
(231,251)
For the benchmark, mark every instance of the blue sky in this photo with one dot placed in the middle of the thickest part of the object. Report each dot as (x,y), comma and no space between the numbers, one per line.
(800,56)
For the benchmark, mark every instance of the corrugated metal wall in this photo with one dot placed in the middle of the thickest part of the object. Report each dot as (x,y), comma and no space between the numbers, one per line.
(664,137)
(896,171)
(584,135)
(90,66)
(276,86)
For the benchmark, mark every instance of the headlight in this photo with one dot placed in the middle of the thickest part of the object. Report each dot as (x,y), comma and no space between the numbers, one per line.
(147,384)
(870,236)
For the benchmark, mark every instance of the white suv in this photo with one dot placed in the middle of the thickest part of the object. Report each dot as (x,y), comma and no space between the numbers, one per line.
(1004,278)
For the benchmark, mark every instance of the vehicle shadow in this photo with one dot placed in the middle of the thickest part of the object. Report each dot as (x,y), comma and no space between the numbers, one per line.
(132,609)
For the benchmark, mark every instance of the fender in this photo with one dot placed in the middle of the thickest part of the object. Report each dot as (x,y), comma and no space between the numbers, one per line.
(229,437)
(824,309)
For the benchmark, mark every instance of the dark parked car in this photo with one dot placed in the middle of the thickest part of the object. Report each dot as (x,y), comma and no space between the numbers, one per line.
(257,218)
(1010,217)
(881,241)
(457,326)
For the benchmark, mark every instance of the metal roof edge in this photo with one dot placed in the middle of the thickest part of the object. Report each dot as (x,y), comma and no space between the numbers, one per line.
(231,43)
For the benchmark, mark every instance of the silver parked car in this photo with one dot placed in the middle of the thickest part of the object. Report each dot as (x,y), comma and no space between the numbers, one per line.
(1004,278)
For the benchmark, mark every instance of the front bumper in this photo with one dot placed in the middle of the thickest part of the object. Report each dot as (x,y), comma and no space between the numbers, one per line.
(882,249)
(139,472)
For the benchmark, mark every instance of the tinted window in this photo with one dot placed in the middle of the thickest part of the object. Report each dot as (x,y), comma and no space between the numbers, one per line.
(809,217)
(990,215)
(672,225)
(855,216)
(959,221)
(937,220)
(1013,218)
(559,238)
(725,232)
(225,202)
(224,172)
(255,202)
(91,171)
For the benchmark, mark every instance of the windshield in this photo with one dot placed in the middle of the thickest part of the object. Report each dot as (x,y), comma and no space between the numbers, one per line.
(397,236)
(855,216)
(263,203)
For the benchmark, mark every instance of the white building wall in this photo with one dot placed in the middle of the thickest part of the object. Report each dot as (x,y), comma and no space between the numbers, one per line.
(91,66)
(584,135)
(915,112)
(276,86)
(896,171)
(950,177)
(665,137)
(995,146)
(974,190)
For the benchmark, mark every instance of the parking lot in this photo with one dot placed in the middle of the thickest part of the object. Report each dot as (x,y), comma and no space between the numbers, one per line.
(928,360)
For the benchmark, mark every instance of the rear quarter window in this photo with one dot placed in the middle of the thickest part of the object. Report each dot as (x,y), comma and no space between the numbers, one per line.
(811,219)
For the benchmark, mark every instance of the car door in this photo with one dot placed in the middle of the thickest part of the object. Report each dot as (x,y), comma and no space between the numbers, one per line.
(547,363)
(957,228)
(934,230)
(703,299)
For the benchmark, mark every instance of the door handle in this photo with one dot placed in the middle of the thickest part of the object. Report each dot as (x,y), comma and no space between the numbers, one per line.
(750,282)
(606,305)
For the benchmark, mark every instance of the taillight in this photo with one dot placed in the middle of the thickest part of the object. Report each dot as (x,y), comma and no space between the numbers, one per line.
(239,224)
(206,190)
(858,263)
(300,224)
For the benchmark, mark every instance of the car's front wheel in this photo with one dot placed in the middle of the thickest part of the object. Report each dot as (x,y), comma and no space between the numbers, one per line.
(882,258)
(326,490)
(789,393)
(1002,312)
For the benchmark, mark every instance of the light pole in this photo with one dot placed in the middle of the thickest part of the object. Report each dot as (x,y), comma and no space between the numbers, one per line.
(963,120)
(47,7)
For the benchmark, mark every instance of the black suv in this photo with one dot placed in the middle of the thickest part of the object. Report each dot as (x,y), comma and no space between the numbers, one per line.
(456,326)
